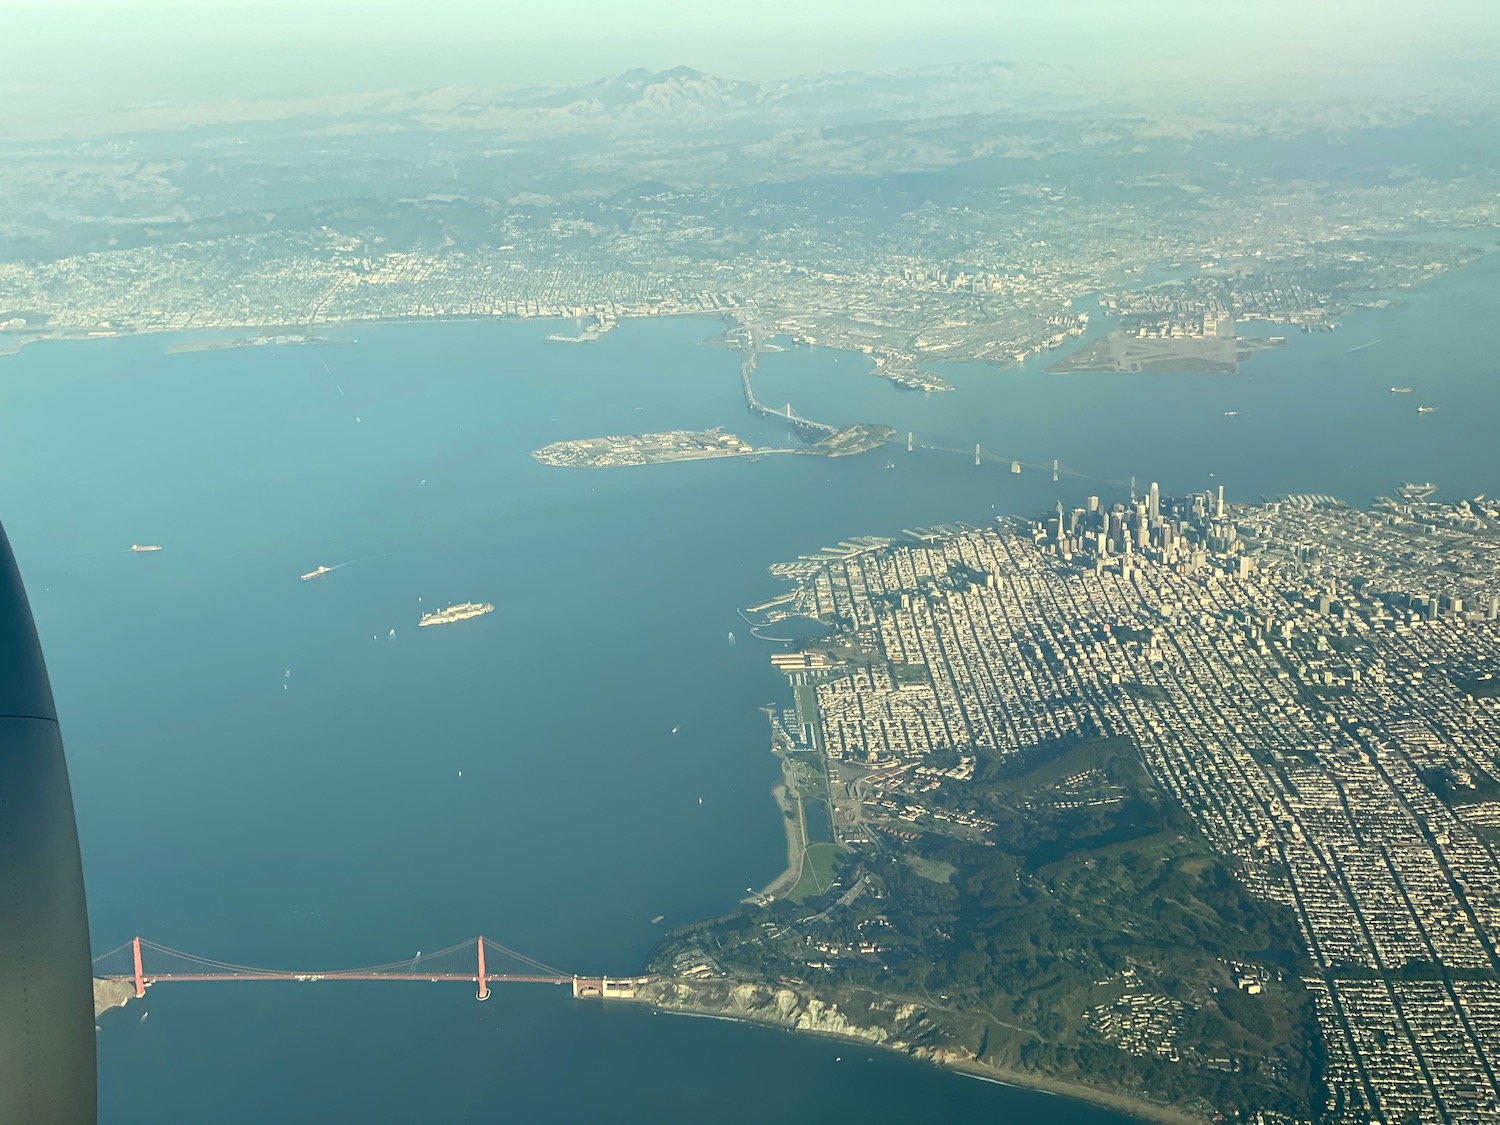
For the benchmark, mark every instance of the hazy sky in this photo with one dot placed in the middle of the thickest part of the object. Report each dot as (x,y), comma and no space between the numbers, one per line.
(79,51)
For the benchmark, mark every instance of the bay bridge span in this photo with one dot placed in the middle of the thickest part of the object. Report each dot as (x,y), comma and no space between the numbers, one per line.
(809,429)
(746,339)
(480,962)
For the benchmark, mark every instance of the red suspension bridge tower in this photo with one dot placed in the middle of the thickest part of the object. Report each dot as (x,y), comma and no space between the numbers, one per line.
(143,963)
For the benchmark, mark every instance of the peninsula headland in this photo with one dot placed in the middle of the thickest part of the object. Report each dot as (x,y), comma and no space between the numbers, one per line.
(1161,803)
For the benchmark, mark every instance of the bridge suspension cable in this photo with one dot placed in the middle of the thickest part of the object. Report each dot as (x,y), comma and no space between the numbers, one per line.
(981,454)
(480,959)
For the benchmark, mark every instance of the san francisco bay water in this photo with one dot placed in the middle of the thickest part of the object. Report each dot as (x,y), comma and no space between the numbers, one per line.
(264,775)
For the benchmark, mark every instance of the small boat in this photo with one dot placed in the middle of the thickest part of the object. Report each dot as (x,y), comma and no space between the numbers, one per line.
(1400,390)
(1427,410)
(138,547)
(311,574)
(1231,413)
(657,920)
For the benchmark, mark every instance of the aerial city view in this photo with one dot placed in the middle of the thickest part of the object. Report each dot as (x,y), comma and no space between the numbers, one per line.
(967,543)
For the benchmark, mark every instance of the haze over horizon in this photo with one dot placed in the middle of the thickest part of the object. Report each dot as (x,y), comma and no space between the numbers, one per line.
(84,54)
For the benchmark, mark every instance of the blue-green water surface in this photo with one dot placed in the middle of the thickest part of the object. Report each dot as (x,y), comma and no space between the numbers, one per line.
(264,775)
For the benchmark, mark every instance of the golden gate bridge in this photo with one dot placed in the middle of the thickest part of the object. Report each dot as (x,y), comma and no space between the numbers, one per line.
(480,961)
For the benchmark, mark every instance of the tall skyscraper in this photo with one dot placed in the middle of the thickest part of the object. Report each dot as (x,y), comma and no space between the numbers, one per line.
(1219,508)
(1153,501)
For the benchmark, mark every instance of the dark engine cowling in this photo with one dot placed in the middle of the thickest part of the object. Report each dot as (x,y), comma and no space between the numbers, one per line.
(47,1072)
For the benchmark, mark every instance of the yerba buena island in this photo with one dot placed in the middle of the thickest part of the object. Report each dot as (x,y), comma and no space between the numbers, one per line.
(1188,801)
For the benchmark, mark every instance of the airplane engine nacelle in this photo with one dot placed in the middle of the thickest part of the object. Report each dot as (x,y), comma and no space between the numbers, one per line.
(47,1074)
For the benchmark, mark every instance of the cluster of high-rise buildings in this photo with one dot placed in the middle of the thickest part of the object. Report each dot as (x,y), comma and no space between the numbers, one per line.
(1184,536)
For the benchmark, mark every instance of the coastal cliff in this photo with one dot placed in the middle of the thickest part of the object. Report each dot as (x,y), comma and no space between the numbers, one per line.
(899,1027)
(110,994)
(883,1022)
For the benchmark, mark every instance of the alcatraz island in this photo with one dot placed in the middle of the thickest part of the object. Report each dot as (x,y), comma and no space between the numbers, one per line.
(1184,806)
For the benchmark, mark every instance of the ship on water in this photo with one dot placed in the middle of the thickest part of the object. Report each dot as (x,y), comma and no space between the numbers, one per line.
(460,612)
(138,547)
(311,574)
(1427,410)
(1400,390)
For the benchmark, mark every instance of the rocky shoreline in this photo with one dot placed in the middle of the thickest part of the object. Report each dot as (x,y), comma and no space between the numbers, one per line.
(886,1023)
(111,994)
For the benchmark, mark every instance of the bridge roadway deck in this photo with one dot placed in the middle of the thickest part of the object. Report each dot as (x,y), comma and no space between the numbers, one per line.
(747,364)
(472,978)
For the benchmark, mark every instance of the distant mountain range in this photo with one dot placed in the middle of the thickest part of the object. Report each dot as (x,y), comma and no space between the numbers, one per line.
(686,96)
(634,99)
(663,91)
(685,99)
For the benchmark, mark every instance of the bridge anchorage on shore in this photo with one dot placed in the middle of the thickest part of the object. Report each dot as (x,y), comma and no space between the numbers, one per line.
(481,962)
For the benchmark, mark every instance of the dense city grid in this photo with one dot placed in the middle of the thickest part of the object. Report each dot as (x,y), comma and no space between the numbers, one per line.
(1313,682)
